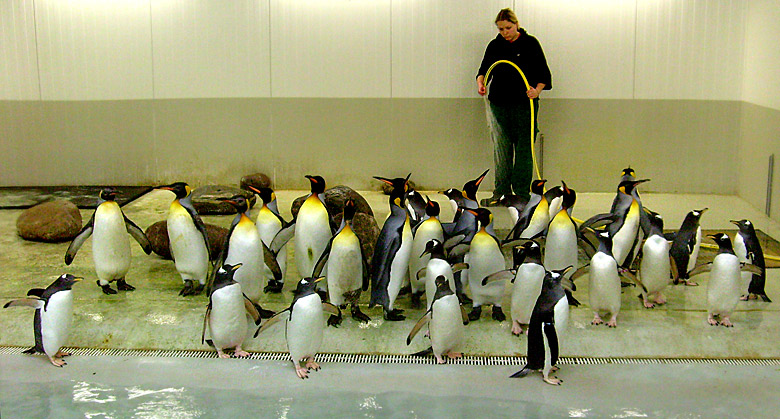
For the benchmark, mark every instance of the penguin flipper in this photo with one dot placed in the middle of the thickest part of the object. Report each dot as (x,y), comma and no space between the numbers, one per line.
(419,325)
(250,308)
(138,235)
(552,342)
(706,267)
(282,237)
(366,271)
(320,265)
(75,245)
(579,272)
(522,373)
(673,268)
(459,267)
(205,324)
(598,221)
(380,270)
(459,250)
(464,316)
(270,322)
(330,308)
(200,226)
(453,241)
(269,257)
(504,275)
(749,267)
(38,292)
(25,302)
(625,273)
(421,273)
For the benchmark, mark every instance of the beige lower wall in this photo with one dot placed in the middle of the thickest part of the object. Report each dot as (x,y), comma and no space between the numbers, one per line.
(683,146)
(760,138)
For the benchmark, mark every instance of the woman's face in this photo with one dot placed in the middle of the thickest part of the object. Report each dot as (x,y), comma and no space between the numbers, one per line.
(508,30)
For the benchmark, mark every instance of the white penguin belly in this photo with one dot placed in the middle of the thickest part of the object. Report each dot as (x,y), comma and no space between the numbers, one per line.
(695,253)
(560,248)
(723,289)
(623,240)
(227,321)
(345,267)
(304,327)
(245,248)
(655,266)
(540,219)
(526,290)
(446,325)
(435,268)
(312,234)
(561,317)
(268,226)
(485,258)
(187,246)
(399,268)
(604,284)
(741,251)
(110,244)
(430,229)
(55,321)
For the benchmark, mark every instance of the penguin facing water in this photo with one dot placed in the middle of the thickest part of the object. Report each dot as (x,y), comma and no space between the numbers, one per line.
(110,246)
(53,314)
(430,229)
(188,238)
(748,248)
(304,323)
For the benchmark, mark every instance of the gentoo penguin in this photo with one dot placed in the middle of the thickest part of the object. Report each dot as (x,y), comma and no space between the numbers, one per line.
(655,268)
(428,230)
(625,227)
(243,247)
(269,222)
(604,282)
(549,321)
(562,239)
(304,323)
(485,258)
(748,248)
(390,263)
(437,266)
(416,205)
(535,216)
(554,198)
(446,320)
(226,313)
(527,276)
(53,314)
(685,247)
(466,224)
(313,230)
(515,205)
(455,198)
(188,238)
(723,288)
(347,267)
(110,246)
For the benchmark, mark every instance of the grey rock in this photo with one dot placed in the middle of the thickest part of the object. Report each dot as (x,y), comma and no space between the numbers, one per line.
(157,234)
(256,180)
(205,199)
(52,222)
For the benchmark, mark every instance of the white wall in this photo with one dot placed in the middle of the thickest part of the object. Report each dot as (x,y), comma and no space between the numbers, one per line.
(762,55)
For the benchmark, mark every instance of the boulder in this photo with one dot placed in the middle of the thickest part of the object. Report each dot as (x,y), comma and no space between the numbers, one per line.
(206,202)
(157,234)
(256,180)
(52,222)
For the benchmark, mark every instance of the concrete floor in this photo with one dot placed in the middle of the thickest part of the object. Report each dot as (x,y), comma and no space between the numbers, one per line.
(155,317)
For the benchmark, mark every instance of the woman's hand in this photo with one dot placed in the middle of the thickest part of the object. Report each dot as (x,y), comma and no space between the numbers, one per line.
(532,93)
(481,89)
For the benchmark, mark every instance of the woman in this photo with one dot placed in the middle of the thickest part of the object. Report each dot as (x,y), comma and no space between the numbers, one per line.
(509,111)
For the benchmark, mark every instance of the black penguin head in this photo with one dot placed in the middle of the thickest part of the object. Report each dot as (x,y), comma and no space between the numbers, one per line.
(433,247)
(528,250)
(108,194)
(306,286)
(656,222)
(537,186)
(432,208)
(400,185)
(628,186)
(63,282)
(442,287)
(628,174)
(745,226)
(453,194)
(349,209)
(317,184)
(694,216)
(558,274)
(181,189)
(471,187)
(238,202)
(723,241)
(266,194)
(224,275)
(605,243)
(569,197)
(484,216)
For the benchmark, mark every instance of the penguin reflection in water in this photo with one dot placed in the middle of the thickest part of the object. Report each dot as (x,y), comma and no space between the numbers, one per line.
(110,245)
(53,314)
(304,323)
(226,314)
(446,319)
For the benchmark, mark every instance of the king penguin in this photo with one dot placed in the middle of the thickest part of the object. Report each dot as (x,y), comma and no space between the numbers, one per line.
(110,246)
(269,222)
(655,268)
(535,216)
(243,246)
(549,321)
(562,239)
(347,267)
(748,248)
(53,314)
(390,263)
(188,238)
(685,247)
(313,230)
(485,258)
(428,230)
(446,319)
(625,227)
(226,314)
(304,323)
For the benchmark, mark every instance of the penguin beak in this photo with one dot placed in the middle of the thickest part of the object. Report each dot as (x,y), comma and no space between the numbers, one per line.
(471,211)
(253,189)
(385,180)
(77,279)
(166,188)
(236,266)
(712,236)
(735,222)
(319,279)
(482,177)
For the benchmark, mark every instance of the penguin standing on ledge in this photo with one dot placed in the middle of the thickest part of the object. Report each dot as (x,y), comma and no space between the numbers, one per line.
(748,248)
(484,259)
(188,238)
(655,267)
(312,231)
(110,247)
(53,314)
(269,223)
(427,230)
(685,247)
(535,217)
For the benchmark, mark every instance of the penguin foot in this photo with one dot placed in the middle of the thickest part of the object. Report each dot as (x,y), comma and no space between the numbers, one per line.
(61,354)
(440,360)
(303,373)
(476,312)
(498,314)
(554,369)
(464,299)
(454,355)
(121,285)
(648,303)
(359,315)
(596,320)
(240,353)
(394,315)
(273,286)
(107,289)
(689,283)
(57,362)
(553,381)
(335,320)
(612,322)
(659,299)
(222,354)
(516,329)
(188,288)
(417,300)
(726,322)
(405,290)
(311,365)
(712,321)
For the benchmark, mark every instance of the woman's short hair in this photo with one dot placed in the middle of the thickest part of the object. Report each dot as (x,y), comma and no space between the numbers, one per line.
(508,15)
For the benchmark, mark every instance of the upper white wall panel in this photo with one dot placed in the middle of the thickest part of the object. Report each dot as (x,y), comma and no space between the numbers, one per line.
(689,49)
(762,55)
(18,57)
(94,49)
(589,45)
(438,45)
(211,48)
(335,48)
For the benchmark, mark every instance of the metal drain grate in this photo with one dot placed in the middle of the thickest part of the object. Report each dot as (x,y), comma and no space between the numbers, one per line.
(404,359)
